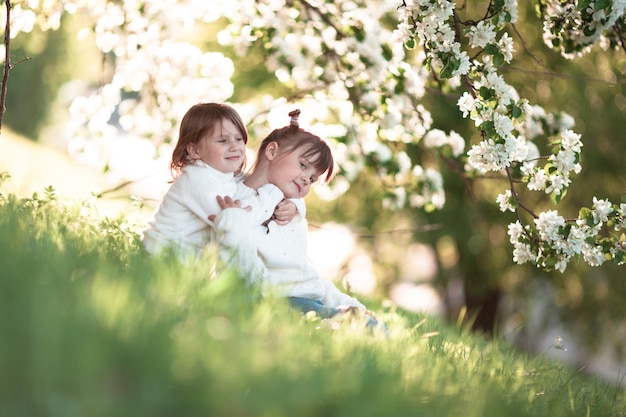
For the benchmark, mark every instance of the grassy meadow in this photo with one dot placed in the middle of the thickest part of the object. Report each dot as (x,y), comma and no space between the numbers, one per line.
(90,326)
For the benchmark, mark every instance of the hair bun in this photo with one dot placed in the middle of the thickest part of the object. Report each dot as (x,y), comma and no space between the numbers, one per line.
(295,115)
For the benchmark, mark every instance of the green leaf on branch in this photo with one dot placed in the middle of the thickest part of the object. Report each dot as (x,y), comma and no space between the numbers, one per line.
(589,30)
(488,127)
(486,93)
(585,213)
(450,65)
(556,197)
(359,33)
(491,49)
(583,4)
(601,4)
(429,207)
(387,52)
(551,261)
(498,59)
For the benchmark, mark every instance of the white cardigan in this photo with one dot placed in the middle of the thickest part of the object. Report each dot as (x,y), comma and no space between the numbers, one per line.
(182,219)
(276,256)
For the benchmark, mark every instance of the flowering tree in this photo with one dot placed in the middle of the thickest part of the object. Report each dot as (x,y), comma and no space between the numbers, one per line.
(362,69)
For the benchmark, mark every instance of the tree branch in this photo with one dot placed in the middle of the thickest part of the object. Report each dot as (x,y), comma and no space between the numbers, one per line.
(7,60)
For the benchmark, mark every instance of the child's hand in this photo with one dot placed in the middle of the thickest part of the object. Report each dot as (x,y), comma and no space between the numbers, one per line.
(284,212)
(228,202)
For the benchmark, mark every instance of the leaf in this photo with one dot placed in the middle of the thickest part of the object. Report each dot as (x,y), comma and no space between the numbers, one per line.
(584,213)
(557,197)
(601,4)
(551,261)
(448,68)
(388,53)
(589,30)
(485,93)
(498,5)
(498,59)
(488,127)
(491,49)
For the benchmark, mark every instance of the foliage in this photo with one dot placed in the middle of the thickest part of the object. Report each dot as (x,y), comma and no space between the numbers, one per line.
(91,326)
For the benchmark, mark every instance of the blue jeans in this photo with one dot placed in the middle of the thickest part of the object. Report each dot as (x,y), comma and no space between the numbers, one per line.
(304,305)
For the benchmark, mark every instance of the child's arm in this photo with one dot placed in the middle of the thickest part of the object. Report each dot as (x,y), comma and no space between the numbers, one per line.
(236,246)
(286,210)
(337,299)
(263,204)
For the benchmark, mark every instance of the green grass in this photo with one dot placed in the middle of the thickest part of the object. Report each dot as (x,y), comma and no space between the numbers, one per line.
(90,326)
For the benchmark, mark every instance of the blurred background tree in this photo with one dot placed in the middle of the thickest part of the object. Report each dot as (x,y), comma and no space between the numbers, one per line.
(35,84)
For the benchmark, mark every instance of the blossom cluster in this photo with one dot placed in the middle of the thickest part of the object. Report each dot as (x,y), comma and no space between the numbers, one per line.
(509,125)
(356,66)
(555,241)
(158,74)
(573,27)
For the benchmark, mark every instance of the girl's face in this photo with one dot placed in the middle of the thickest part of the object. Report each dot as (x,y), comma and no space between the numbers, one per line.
(291,171)
(223,150)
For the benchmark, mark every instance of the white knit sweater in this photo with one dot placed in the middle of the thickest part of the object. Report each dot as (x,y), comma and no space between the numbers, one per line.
(276,256)
(182,219)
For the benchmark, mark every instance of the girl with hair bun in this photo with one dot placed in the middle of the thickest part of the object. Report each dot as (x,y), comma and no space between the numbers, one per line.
(275,255)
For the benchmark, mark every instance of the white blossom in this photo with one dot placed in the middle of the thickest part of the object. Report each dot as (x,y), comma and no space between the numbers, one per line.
(482,34)
(557,183)
(522,253)
(601,210)
(435,138)
(504,200)
(467,104)
(548,225)
(515,231)
(505,44)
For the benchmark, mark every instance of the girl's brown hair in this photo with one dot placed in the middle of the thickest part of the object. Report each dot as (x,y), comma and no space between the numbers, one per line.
(292,137)
(200,121)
